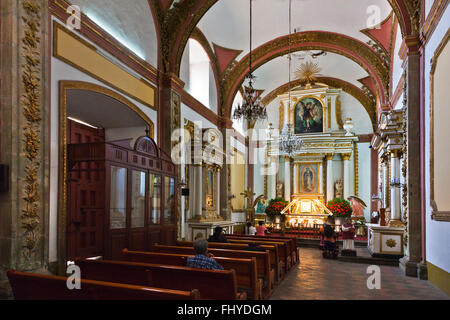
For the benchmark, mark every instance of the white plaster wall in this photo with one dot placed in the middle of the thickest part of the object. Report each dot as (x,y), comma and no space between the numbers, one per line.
(352,108)
(428,5)
(437,233)
(364,176)
(399,103)
(112,134)
(212,90)
(397,69)
(62,71)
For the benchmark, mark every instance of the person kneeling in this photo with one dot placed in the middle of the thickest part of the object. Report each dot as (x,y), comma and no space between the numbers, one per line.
(330,249)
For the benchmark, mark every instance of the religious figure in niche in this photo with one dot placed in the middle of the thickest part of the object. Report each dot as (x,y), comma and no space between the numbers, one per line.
(308,180)
(308,116)
(339,189)
(358,206)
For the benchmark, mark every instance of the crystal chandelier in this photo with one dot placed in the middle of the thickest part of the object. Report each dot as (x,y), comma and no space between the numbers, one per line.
(289,143)
(251,108)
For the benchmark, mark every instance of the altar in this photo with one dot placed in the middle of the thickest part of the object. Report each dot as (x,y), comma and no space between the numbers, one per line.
(325,167)
(306,211)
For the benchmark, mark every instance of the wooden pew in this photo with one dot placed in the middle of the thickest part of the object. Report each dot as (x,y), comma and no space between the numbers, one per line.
(290,240)
(275,260)
(283,251)
(283,248)
(246,269)
(33,286)
(212,284)
(262,260)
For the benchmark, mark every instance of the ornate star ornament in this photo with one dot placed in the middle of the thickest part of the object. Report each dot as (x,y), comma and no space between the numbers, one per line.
(307,72)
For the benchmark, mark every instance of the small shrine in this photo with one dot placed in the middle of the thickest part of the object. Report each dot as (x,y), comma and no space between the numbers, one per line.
(204,200)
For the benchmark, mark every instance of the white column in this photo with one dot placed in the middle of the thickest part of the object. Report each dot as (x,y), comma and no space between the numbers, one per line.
(395,190)
(332,113)
(218,192)
(330,182)
(347,180)
(198,192)
(287,179)
(295,178)
(286,114)
(384,174)
(321,179)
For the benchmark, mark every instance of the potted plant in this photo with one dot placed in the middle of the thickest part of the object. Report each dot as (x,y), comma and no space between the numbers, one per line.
(340,208)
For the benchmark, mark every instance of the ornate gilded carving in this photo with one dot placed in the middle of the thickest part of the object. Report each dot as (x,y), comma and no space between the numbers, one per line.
(31,108)
(339,113)
(391,243)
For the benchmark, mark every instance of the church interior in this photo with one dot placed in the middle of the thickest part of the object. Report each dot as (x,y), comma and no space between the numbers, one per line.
(132,133)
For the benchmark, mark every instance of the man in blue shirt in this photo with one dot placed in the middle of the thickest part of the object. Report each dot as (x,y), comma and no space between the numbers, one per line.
(201,260)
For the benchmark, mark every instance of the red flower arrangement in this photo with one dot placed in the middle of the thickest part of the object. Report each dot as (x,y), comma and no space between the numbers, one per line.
(340,208)
(275,207)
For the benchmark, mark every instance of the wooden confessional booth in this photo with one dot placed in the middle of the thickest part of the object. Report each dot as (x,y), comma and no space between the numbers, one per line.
(118,197)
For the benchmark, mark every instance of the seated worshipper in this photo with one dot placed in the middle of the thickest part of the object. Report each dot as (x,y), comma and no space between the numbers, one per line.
(250,230)
(261,229)
(198,236)
(202,259)
(330,249)
(218,236)
(348,237)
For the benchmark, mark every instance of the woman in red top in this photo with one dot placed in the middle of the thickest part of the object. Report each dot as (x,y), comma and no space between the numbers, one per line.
(260,230)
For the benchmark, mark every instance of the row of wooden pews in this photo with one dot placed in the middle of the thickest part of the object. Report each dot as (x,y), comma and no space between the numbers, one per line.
(162,273)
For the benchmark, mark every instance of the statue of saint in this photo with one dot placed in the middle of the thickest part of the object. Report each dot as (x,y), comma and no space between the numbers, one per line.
(280,190)
(339,189)
(358,206)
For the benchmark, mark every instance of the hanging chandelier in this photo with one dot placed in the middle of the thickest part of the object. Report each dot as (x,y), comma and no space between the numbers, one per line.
(251,108)
(289,143)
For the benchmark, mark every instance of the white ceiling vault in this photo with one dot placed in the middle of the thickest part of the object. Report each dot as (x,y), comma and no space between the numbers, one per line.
(227,24)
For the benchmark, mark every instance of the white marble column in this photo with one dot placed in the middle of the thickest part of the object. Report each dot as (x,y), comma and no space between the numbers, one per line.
(218,192)
(295,187)
(287,179)
(321,179)
(330,182)
(347,180)
(383,183)
(395,190)
(332,113)
(286,114)
(198,194)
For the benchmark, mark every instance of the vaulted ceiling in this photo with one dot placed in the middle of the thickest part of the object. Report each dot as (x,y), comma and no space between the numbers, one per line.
(340,27)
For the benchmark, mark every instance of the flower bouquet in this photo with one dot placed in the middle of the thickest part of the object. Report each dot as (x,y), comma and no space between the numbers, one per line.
(275,207)
(340,208)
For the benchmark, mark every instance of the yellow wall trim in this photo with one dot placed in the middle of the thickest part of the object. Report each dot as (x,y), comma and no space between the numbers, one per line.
(73,50)
(439,277)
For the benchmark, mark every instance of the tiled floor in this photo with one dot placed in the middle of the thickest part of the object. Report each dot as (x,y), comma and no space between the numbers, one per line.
(318,278)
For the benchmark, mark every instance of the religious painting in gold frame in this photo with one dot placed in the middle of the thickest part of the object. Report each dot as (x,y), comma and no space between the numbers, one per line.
(309,115)
(308,178)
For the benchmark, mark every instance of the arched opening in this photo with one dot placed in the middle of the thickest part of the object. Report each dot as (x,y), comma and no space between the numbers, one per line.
(116,190)
(198,76)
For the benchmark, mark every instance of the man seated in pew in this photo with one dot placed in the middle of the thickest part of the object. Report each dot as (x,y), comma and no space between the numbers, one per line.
(202,260)
(218,236)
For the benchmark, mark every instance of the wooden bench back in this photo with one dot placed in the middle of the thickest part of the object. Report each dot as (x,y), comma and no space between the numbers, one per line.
(32,286)
(262,258)
(246,269)
(283,250)
(273,249)
(291,242)
(207,282)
